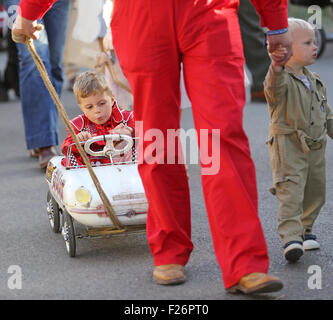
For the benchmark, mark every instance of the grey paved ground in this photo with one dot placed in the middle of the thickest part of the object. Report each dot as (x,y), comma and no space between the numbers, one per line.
(120,268)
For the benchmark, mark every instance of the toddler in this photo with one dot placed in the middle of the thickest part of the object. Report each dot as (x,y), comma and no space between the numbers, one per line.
(300,120)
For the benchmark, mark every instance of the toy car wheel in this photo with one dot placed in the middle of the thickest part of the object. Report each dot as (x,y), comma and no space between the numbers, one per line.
(53,213)
(68,233)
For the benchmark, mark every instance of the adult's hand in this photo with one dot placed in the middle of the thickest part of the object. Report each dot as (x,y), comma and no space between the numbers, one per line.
(24,28)
(277,41)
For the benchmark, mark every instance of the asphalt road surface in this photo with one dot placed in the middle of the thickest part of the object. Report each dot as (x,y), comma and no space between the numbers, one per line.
(34,264)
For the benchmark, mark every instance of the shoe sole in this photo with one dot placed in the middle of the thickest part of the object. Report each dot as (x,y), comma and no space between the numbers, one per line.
(169,282)
(294,254)
(314,245)
(269,286)
(311,248)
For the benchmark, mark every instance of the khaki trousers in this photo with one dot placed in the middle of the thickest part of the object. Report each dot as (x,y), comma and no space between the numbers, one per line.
(301,189)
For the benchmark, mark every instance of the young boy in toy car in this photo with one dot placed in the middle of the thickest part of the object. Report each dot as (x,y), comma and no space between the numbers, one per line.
(101,116)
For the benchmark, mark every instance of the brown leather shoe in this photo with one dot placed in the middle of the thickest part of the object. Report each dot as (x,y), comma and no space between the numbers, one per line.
(257,282)
(169,274)
(45,155)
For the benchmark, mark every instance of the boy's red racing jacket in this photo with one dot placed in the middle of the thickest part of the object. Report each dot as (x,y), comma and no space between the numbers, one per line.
(82,123)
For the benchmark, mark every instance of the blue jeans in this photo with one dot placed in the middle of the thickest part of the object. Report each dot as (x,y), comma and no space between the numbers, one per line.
(40,114)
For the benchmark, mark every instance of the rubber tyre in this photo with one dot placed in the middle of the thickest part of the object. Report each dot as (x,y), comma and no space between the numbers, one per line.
(53,213)
(68,233)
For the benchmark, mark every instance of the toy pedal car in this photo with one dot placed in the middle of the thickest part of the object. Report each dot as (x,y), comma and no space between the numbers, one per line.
(72,196)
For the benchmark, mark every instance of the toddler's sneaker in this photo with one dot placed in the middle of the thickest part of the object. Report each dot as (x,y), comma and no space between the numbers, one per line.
(310,242)
(293,250)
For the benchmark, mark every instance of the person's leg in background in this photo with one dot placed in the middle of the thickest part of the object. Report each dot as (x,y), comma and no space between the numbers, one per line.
(11,72)
(9,78)
(39,112)
(57,19)
(71,71)
(256,56)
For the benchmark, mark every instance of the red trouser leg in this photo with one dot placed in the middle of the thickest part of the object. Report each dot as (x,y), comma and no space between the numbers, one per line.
(213,73)
(150,37)
(150,60)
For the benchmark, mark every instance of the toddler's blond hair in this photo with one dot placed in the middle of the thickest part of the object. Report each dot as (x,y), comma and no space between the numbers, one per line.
(295,23)
(90,83)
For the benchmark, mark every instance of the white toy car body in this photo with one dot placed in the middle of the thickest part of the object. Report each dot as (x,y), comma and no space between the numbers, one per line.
(73,196)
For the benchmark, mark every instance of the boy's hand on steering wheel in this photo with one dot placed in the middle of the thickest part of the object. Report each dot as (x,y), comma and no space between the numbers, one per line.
(84,136)
(122,129)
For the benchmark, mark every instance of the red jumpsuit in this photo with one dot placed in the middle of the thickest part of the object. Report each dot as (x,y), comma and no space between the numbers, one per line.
(82,123)
(151,39)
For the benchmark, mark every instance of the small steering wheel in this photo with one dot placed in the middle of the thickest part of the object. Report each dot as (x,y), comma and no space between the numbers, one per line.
(109,150)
